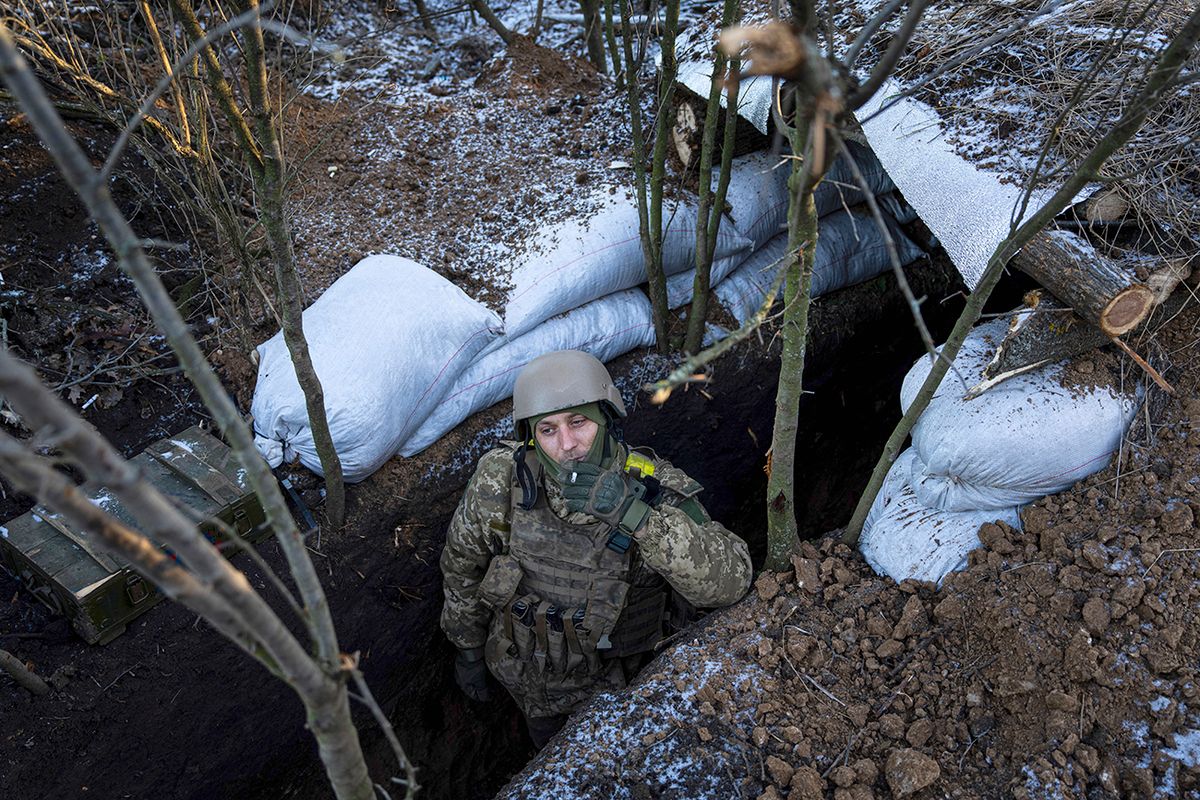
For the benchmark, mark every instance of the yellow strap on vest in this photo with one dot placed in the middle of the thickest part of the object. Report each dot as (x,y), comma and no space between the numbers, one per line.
(643,465)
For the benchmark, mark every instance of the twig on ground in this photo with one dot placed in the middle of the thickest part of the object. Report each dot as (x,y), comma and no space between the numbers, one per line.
(22,674)
(1141,362)
(1146,571)
(822,689)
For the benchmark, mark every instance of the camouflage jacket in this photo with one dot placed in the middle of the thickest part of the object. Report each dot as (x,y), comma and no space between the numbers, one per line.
(705,563)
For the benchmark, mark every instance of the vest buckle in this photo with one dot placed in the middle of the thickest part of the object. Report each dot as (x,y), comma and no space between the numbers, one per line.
(619,541)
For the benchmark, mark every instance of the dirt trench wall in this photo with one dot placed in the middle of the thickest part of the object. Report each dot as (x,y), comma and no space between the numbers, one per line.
(172,711)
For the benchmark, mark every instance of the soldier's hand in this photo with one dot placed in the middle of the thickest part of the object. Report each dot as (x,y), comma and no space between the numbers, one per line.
(606,494)
(470,673)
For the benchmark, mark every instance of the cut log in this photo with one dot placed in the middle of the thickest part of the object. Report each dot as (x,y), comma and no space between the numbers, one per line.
(1097,288)
(1049,331)
(688,129)
(1046,332)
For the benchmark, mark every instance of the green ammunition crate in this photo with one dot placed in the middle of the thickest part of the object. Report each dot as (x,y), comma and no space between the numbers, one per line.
(67,570)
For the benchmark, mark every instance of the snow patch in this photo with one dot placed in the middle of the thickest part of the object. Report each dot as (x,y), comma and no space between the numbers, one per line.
(1186,749)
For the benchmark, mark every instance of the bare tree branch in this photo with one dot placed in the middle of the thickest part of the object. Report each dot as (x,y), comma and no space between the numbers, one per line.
(884,68)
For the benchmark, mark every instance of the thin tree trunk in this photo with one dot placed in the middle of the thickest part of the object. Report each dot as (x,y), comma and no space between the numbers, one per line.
(802,241)
(426,20)
(269,184)
(712,210)
(1157,85)
(666,90)
(658,298)
(491,19)
(614,52)
(594,34)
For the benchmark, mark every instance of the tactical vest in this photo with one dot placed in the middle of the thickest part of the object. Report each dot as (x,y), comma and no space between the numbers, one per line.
(565,604)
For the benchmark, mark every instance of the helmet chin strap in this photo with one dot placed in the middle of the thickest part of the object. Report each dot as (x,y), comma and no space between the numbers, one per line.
(612,424)
(525,479)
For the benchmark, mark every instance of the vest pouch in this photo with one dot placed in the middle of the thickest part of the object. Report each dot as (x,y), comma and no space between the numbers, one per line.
(500,582)
(578,653)
(522,614)
(556,641)
(509,647)
(640,626)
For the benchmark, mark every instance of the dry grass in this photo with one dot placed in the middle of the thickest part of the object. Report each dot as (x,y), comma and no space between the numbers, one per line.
(1041,96)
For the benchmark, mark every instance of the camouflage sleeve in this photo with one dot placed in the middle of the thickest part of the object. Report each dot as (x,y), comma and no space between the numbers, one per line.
(478,530)
(700,558)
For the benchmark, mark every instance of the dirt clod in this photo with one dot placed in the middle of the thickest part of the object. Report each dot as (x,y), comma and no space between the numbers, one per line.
(909,771)
(806,784)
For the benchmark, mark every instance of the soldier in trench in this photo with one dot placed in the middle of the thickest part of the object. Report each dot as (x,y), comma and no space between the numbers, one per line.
(570,554)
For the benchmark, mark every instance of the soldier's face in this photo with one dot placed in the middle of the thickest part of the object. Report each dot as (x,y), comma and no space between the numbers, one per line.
(566,436)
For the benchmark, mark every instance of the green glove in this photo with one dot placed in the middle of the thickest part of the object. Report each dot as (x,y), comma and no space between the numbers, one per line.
(609,495)
(470,673)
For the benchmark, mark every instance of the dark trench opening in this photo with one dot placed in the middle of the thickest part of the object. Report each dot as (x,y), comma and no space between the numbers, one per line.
(862,343)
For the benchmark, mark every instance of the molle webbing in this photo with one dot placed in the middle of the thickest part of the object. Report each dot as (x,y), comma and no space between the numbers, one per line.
(566,586)
(640,627)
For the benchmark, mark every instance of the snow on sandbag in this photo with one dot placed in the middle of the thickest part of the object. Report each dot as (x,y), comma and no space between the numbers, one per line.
(580,260)
(850,250)
(902,538)
(758,195)
(387,340)
(606,328)
(1028,437)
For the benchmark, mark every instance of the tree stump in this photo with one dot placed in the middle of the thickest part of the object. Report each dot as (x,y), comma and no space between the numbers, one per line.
(688,129)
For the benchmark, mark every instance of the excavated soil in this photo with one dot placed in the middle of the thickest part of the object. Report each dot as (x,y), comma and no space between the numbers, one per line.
(1062,662)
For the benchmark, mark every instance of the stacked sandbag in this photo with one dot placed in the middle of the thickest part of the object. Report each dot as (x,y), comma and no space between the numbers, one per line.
(387,340)
(850,249)
(978,460)
(606,328)
(758,201)
(580,260)
(904,538)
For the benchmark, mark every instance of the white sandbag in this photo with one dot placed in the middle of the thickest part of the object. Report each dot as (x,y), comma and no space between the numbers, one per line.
(1028,437)
(758,196)
(387,340)
(898,207)
(850,250)
(680,286)
(743,292)
(902,538)
(841,190)
(606,328)
(580,260)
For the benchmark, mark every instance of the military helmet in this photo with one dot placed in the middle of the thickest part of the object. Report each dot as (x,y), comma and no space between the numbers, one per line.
(562,379)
